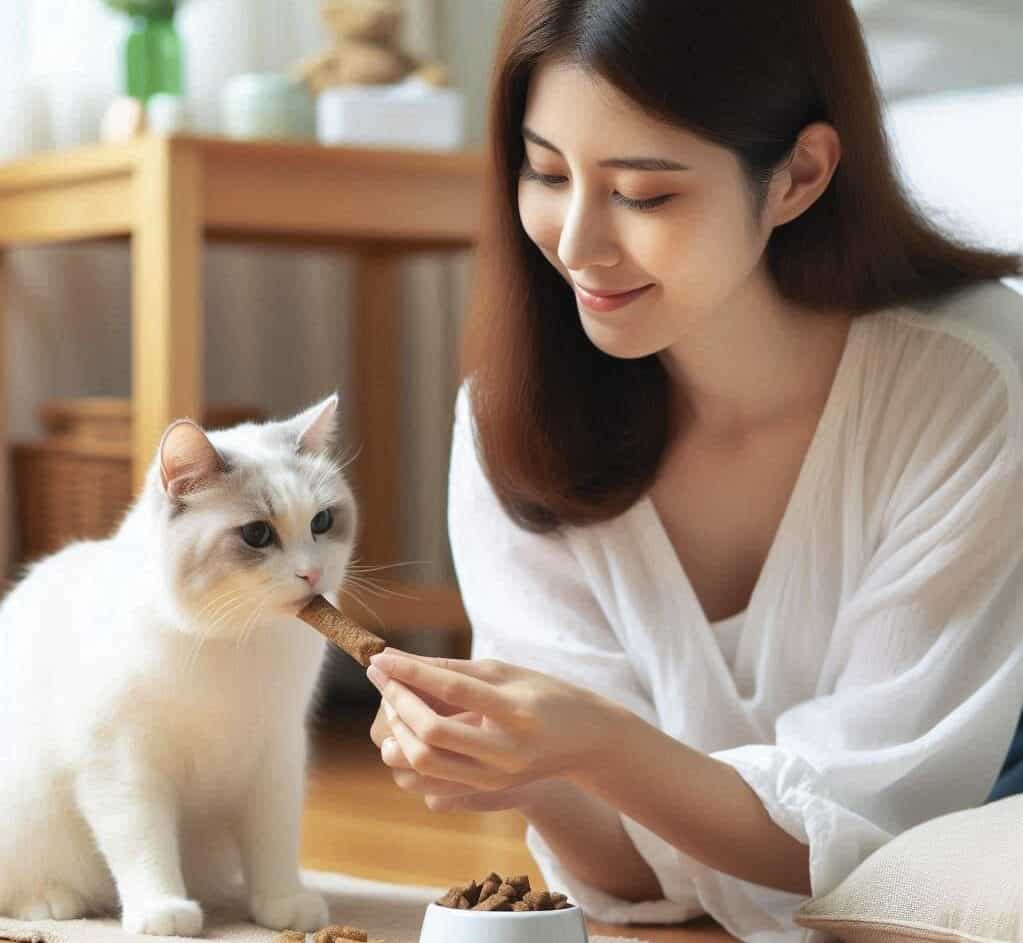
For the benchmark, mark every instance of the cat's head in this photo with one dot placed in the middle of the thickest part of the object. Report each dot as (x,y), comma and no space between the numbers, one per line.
(255,520)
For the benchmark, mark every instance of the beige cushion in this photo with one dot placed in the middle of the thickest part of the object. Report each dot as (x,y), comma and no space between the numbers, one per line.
(956,877)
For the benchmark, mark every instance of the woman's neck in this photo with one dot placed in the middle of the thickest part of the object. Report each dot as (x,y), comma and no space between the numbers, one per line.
(755,362)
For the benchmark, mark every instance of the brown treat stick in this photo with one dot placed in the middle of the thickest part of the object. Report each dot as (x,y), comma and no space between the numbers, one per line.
(347,635)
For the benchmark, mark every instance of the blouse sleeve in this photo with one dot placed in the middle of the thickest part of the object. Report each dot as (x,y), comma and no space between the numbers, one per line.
(529,604)
(922,687)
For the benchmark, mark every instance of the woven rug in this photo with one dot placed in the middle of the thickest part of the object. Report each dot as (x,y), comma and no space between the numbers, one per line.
(391,912)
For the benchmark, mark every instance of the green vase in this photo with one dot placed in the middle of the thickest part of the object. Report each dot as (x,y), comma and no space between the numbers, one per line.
(152,57)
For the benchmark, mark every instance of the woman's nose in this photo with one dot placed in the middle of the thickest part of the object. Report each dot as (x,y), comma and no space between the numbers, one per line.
(585,239)
(311,576)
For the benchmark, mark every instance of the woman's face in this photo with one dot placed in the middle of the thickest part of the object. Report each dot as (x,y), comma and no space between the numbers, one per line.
(618,201)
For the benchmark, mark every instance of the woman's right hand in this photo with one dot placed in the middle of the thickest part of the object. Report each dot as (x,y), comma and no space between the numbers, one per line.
(443,796)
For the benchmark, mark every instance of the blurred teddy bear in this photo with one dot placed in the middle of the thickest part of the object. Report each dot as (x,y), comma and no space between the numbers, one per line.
(365,48)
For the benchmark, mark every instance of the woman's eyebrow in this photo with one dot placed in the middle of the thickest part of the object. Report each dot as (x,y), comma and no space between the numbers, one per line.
(622,163)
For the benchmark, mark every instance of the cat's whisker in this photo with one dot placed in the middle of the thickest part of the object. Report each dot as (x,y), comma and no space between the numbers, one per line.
(216,616)
(207,629)
(373,568)
(344,463)
(242,636)
(371,586)
(211,604)
(200,622)
(229,601)
(347,592)
(256,613)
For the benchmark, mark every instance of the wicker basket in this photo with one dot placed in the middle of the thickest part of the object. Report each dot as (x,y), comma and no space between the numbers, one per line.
(76,483)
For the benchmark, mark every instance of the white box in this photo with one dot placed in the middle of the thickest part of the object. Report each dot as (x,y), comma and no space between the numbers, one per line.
(411,114)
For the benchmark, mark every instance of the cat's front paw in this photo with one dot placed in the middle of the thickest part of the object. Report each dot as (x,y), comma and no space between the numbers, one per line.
(164,916)
(56,903)
(302,911)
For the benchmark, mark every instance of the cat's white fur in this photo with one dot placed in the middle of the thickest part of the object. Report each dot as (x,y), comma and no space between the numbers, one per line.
(154,689)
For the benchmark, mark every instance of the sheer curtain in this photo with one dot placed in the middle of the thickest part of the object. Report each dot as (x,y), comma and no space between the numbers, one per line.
(266,311)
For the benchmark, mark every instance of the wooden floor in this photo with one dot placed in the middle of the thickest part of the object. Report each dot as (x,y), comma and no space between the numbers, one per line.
(359,822)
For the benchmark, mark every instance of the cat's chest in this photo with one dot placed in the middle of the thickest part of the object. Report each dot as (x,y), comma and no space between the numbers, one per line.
(211,726)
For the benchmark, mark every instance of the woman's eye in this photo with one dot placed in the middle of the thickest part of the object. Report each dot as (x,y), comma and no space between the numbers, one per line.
(548,180)
(322,522)
(551,180)
(257,534)
(649,204)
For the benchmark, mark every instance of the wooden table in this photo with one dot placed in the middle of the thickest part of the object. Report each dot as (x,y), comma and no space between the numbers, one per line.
(167,194)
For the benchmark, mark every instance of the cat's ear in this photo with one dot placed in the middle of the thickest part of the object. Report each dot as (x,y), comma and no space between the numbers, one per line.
(188,460)
(317,427)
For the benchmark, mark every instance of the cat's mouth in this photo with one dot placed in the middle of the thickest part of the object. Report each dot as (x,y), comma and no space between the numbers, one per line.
(298,604)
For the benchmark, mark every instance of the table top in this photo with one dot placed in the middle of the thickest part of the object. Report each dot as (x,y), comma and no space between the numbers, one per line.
(263,190)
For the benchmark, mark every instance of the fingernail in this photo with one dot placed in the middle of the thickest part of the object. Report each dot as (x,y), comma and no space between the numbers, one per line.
(381,660)
(390,711)
(376,676)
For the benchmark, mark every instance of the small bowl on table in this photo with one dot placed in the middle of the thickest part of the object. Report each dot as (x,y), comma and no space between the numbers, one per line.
(447,925)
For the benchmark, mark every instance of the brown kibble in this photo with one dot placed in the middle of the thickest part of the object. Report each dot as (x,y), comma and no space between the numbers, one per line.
(353,933)
(521,883)
(495,894)
(538,900)
(450,899)
(494,902)
(336,932)
(488,889)
(347,635)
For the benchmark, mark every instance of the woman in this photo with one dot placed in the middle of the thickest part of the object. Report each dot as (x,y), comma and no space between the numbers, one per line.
(736,474)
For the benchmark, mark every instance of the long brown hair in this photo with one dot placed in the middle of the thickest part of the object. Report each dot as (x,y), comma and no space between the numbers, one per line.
(570,435)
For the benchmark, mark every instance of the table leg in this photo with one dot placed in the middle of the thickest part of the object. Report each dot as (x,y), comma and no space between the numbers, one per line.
(167,325)
(376,404)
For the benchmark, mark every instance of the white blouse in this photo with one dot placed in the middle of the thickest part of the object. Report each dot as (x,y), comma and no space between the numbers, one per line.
(875,679)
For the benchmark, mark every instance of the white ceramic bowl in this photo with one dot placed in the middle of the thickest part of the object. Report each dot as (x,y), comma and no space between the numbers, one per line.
(445,925)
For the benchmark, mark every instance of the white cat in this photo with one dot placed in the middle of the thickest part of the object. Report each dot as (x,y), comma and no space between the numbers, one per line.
(154,688)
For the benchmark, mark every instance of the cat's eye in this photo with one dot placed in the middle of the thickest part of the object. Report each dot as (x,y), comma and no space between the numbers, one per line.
(322,522)
(257,534)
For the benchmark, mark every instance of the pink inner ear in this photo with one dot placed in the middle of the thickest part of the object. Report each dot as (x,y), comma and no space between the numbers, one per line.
(188,461)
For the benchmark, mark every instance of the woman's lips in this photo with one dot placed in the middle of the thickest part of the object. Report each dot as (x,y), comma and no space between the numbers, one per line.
(608,302)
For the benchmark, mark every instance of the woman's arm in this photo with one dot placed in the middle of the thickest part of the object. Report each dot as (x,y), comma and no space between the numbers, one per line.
(699,804)
(588,838)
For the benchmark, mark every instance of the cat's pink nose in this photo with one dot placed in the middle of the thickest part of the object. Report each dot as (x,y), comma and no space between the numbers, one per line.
(312,577)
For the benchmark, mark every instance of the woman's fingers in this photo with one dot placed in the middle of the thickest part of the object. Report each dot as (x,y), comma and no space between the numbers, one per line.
(437,763)
(411,781)
(491,745)
(444,684)
(381,729)
(484,669)
(391,754)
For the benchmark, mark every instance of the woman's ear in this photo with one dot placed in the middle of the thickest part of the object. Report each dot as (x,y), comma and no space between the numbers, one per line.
(805,175)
